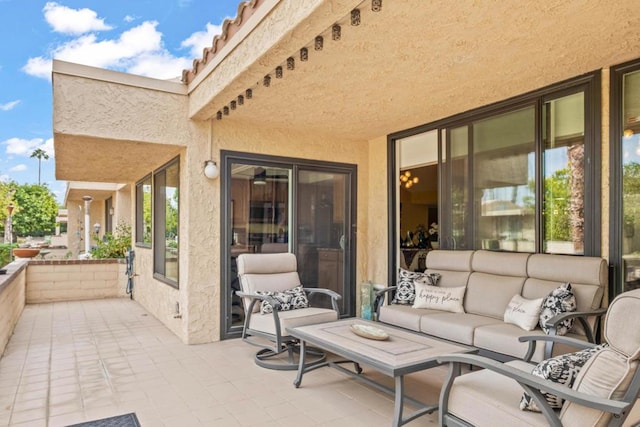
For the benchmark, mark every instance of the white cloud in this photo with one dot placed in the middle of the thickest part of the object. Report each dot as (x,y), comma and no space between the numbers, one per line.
(18,168)
(129,18)
(24,147)
(9,105)
(138,50)
(201,39)
(65,20)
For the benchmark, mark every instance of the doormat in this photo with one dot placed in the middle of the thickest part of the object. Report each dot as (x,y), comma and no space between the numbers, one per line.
(127,420)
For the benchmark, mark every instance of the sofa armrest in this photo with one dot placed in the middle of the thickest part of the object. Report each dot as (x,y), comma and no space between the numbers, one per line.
(380,296)
(581,316)
(533,339)
(530,383)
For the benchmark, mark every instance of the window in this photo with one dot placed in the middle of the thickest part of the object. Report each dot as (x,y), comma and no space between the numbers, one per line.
(143,212)
(166,198)
(521,175)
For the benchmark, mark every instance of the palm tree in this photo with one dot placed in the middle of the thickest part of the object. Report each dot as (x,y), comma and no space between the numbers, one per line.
(40,154)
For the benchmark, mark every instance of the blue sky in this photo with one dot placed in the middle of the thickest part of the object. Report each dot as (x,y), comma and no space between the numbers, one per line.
(154,38)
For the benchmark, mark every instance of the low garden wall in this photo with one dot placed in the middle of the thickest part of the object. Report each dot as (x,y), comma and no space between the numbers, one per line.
(12,299)
(73,280)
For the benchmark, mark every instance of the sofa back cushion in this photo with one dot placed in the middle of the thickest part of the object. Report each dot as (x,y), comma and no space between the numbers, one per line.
(454,267)
(496,278)
(588,277)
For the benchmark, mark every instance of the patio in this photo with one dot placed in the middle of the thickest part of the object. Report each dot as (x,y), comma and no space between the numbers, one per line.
(70,362)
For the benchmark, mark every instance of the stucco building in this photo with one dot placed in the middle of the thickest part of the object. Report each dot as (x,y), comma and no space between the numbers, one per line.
(520,123)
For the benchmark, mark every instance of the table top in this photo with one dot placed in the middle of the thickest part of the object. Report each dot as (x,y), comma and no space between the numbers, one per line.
(402,353)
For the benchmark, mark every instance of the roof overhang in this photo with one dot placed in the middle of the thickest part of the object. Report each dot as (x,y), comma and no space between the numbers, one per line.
(76,190)
(408,64)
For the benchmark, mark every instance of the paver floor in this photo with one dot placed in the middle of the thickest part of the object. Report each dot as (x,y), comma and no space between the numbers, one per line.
(71,362)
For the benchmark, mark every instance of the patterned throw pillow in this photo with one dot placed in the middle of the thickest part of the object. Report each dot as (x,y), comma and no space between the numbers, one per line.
(562,369)
(560,300)
(290,299)
(406,291)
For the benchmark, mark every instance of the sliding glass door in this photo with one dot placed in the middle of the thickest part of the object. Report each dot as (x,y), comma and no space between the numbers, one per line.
(288,205)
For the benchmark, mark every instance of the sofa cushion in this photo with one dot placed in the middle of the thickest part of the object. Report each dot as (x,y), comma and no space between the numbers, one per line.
(437,298)
(500,263)
(488,294)
(404,315)
(406,291)
(560,300)
(561,369)
(457,327)
(523,312)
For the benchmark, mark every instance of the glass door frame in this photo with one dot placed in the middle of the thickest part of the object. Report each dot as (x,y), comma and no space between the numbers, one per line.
(227,158)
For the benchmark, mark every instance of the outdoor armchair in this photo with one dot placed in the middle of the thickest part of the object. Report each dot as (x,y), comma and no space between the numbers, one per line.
(603,393)
(275,300)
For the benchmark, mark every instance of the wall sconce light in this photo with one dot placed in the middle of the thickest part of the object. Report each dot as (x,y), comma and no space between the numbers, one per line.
(112,211)
(96,227)
(211,169)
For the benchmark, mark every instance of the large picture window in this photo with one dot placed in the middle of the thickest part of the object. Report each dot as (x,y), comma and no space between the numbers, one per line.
(521,175)
(143,212)
(166,201)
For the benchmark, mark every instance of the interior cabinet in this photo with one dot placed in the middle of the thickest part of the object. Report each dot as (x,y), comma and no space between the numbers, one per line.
(330,271)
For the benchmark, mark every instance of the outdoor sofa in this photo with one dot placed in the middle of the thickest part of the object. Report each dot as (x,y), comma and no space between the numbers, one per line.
(491,284)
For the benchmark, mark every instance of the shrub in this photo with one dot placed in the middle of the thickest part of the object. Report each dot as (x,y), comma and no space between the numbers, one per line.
(113,245)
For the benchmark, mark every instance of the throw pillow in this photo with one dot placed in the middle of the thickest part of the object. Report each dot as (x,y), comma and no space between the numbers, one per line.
(431,279)
(437,298)
(406,291)
(561,369)
(290,299)
(523,312)
(560,300)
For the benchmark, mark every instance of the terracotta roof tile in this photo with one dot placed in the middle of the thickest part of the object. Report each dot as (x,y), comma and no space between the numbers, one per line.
(229,28)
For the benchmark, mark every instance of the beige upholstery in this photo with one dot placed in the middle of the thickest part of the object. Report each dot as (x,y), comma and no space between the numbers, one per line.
(490,398)
(492,279)
(271,272)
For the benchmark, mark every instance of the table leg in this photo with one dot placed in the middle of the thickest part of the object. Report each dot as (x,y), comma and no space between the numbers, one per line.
(399,401)
(303,353)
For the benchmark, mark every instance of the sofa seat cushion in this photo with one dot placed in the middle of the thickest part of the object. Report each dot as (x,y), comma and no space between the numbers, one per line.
(457,327)
(479,398)
(291,319)
(404,316)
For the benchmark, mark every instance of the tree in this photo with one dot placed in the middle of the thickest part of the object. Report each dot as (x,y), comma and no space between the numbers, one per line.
(36,210)
(40,154)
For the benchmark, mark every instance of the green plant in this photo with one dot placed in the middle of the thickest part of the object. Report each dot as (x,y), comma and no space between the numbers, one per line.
(5,254)
(113,245)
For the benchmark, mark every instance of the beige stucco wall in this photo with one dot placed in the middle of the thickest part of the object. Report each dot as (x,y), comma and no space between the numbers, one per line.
(12,300)
(51,281)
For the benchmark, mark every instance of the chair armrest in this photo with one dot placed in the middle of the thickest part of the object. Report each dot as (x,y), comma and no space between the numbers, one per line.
(532,384)
(379,301)
(322,291)
(533,339)
(582,318)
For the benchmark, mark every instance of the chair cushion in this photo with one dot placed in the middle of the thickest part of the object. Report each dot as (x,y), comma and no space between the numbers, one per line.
(484,398)
(290,299)
(560,300)
(606,374)
(523,312)
(437,298)
(291,319)
(561,369)
(406,291)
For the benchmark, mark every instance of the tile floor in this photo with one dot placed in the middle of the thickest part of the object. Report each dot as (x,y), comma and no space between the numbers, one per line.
(71,362)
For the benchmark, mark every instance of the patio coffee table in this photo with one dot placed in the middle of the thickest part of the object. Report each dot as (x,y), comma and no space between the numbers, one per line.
(402,353)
